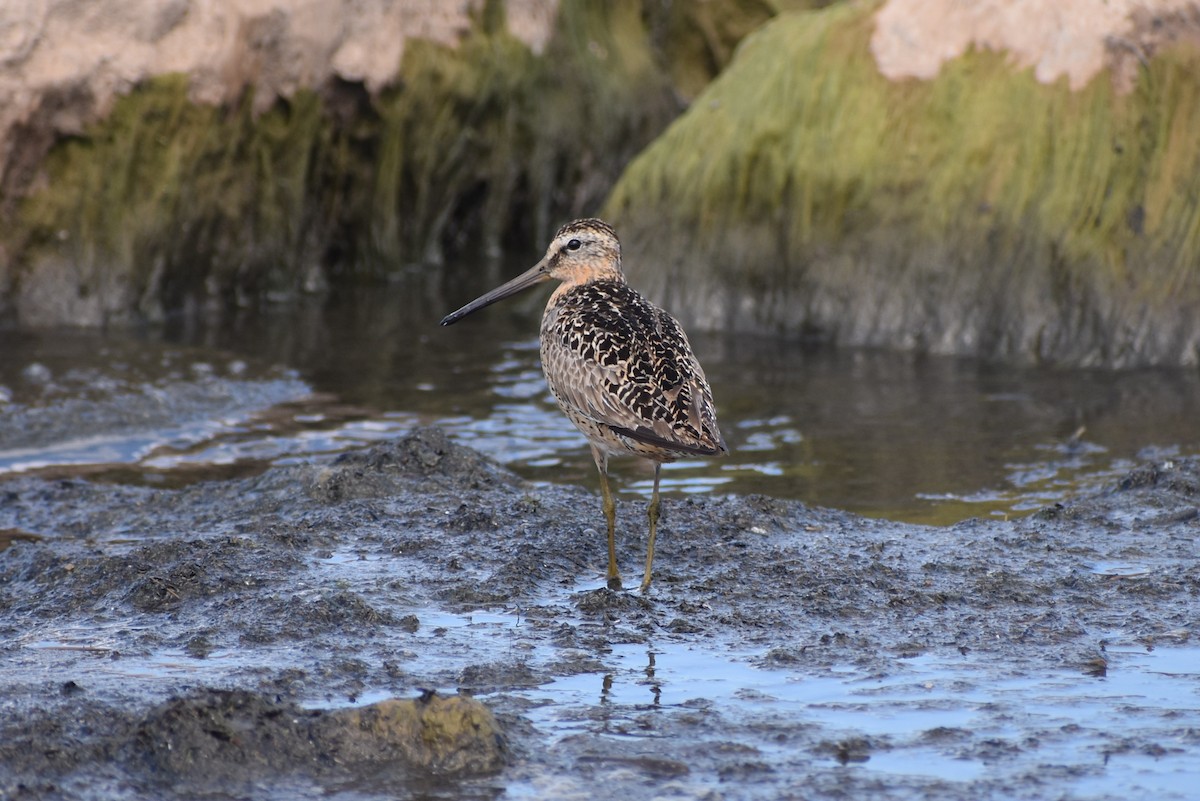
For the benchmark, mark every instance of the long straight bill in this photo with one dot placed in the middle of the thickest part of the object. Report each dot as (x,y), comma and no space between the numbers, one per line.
(534,275)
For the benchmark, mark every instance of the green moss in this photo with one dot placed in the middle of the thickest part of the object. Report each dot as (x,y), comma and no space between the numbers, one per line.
(177,196)
(167,201)
(816,196)
(487,140)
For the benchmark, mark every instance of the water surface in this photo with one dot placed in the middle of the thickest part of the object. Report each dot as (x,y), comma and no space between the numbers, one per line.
(907,437)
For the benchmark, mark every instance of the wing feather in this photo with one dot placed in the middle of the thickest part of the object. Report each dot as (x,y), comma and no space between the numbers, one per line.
(616,361)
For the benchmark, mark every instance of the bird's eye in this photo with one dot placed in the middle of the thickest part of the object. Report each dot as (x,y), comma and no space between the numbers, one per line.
(574,244)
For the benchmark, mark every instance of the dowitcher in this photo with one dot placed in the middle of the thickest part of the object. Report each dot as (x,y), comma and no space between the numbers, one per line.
(620,367)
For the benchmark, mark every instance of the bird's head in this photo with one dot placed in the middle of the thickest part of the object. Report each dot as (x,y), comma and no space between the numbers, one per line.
(581,252)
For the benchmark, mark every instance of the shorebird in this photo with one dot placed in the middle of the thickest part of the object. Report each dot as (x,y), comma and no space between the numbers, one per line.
(620,367)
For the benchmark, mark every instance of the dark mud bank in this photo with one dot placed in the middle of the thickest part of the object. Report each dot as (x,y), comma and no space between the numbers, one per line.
(235,636)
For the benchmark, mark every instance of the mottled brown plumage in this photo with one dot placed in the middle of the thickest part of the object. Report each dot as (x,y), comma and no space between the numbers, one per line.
(620,367)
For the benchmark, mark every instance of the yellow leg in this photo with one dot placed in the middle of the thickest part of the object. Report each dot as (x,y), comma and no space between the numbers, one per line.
(610,515)
(652,513)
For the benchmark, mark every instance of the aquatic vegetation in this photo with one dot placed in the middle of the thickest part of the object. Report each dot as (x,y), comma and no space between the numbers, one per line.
(167,197)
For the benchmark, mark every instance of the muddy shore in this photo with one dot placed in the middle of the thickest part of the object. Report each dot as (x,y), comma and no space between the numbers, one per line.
(230,639)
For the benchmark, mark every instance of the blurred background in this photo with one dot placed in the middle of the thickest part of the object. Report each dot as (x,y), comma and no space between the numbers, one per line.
(939,260)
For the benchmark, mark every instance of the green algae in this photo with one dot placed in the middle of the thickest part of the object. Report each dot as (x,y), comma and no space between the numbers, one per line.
(167,203)
(489,137)
(979,212)
(170,197)
(699,38)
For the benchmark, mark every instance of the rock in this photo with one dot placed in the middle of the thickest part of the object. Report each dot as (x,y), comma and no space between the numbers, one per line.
(806,194)
(97,49)
(223,735)
(1075,39)
(441,734)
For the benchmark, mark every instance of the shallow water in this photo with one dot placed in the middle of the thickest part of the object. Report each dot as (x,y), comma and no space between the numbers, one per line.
(783,651)
(912,438)
(913,719)
(937,716)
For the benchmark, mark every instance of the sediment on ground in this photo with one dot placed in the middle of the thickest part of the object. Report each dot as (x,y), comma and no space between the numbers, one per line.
(974,210)
(227,636)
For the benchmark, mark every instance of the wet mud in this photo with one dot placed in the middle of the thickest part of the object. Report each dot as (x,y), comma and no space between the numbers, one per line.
(414,621)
